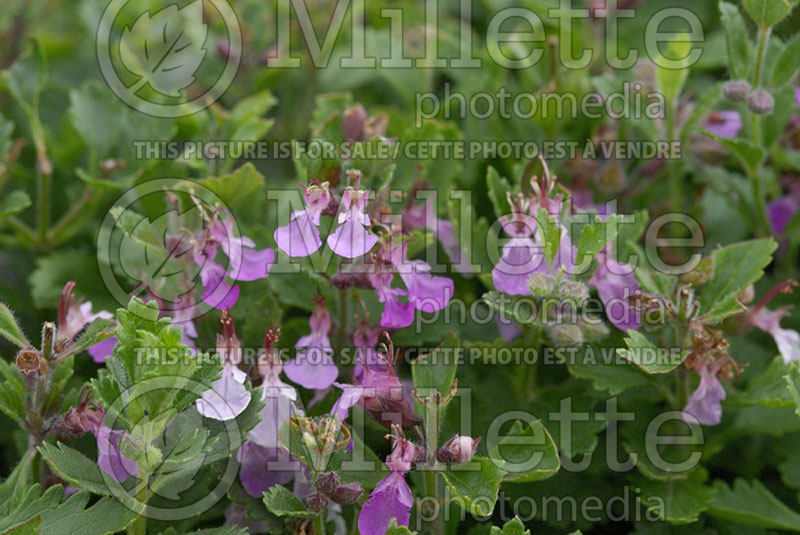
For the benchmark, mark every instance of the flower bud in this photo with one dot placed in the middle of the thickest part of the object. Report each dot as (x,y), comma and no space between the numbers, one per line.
(736,90)
(594,331)
(347,493)
(327,483)
(574,292)
(541,284)
(316,501)
(701,274)
(29,361)
(459,449)
(565,335)
(353,122)
(747,295)
(760,102)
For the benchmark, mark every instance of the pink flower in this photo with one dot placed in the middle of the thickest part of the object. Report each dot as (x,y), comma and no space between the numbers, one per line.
(227,397)
(279,398)
(705,404)
(459,449)
(521,255)
(245,262)
(392,497)
(301,236)
(615,282)
(787,340)
(73,318)
(351,238)
(262,468)
(109,458)
(313,367)
(724,123)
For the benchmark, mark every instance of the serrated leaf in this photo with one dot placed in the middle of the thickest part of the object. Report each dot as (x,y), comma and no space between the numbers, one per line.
(671,80)
(611,376)
(437,370)
(749,155)
(551,234)
(476,483)
(594,237)
(512,527)
(75,468)
(97,331)
(31,527)
(526,453)
(281,502)
(647,356)
(10,329)
(17,484)
(768,389)
(509,306)
(752,504)
(166,48)
(655,283)
(676,501)
(736,267)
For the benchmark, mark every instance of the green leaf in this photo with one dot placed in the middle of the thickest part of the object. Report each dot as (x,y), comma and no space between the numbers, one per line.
(10,330)
(768,389)
(518,308)
(749,155)
(611,376)
(95,113)
(512,527)
(31,527)
(671,80)
(775,123)
(736,267)
(14,202)
(28,75)
(551,234)
(647,356)
(498,188)
(752,504)
(737,41)
(595,236)
(676,501)
(13,392)
(437,370)
(17,484)
(6,130)
(655,283)
(788,63)
(475,484)
(75,468)
(281,502)
(394,529)
(97,331)
(793,385)
(767,13)
(526,453)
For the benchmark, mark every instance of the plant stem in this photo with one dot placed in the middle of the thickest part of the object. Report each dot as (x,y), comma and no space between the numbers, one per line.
(139,526)
(319,524)
(672,168)
(755,133)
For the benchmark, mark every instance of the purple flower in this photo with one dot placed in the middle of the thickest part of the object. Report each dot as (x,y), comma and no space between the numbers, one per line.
(615,282)
(724,123)
(704,405)
(246,263)
(521,256)
(301,236)
(227,397)
(279,398)
(781,211)
(351,238)
(262,468)
(391,498)
(427,293)
(787,340)
(459,449)
(109,457)
(396,313)
(72,318)
(314,367)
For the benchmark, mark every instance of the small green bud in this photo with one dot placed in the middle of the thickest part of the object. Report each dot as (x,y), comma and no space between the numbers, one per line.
(701,274)
(595,331)
(574,292)
(541,284)
(565,335)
